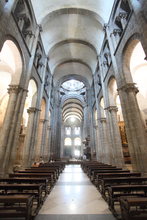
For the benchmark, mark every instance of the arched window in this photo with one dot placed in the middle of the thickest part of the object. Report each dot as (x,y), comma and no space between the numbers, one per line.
(77,130)
(67,142)
(68,130)
(77,141)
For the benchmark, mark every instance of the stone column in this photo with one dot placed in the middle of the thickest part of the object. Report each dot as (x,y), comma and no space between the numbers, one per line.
(39,123)
(108,124)
(85,123)
(20,148)
(135,131)
(62,139)
(47,146)
(99,142)
(107,152)
(30,136)
(44,140)
(14,91)
(16,127)
(38,150)
(31,61)
(56,125)
(115,135)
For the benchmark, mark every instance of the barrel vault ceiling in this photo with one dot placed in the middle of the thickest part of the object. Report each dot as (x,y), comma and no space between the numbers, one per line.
(72,34)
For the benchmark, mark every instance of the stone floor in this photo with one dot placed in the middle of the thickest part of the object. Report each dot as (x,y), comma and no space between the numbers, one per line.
(74,197)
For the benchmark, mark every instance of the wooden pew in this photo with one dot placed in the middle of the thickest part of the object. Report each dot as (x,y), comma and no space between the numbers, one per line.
(106,182)
(42,181)
(19,206)
(133,208)
(115,192)
(86,165)
(87,168)
(31,189)
(35,175)
(115,175)
(58,165)
(53,173)
(94,172)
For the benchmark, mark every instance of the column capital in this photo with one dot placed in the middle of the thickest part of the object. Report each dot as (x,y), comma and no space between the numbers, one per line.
(32,110)
(129,87)
(102,120)
(14,89)
(43,120)
(111,108)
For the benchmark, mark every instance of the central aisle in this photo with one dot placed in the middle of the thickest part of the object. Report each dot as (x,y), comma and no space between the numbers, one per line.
(74,195)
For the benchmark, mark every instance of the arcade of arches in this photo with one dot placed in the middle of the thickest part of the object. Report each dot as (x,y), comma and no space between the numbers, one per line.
(73,82)
(73,88)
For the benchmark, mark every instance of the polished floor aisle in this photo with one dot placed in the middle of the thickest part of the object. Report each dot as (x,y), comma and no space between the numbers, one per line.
(74,197)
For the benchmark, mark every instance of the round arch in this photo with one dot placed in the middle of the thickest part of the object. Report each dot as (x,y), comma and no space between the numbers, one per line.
(10,72)
(135,68)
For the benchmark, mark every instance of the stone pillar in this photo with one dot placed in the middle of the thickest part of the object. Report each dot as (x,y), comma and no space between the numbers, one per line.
(62,139)
(107,152)
(99,142)
(14,136)
(44,140)
(30,136)
(56,126)
(5,150)
(47,146)
(135,131)
(115,135)
(85,126)
(38,150)
(31,61)
(20,148)
(39,123)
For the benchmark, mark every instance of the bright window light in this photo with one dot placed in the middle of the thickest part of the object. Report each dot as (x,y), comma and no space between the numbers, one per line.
(77,130)
(67,142)
(68,130)
(77,141)
(77,153)
(72,119)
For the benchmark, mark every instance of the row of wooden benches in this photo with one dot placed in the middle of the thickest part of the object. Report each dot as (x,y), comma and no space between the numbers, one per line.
(124,191)
(23,193)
